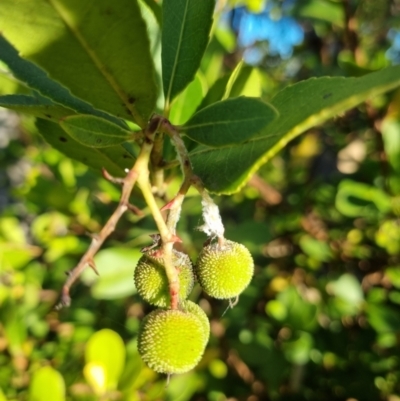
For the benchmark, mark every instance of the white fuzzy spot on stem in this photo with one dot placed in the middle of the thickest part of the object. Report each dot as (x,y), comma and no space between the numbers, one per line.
(213,225)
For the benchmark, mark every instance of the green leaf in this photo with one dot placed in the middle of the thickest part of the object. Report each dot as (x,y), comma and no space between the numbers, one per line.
(348,288)
(391,140)
(301,106)
(47,384)
(155,9)
(75,42)
(116,267)
(244,80)
(8,84)
(232,79)
(383,318)
(298,350)
(356,199)
(393,274)
(301,314)
(316,249)
(2,396)
(328,11)
(105,350)
(185,32)
(247,83)
(37,106)
(215,92)
(34,77)
(185,104)
(229,121)
(114,159)
(94,131)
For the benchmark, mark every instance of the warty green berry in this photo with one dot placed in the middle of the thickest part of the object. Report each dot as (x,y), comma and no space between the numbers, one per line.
(224,271)
(171,341)
(151,280)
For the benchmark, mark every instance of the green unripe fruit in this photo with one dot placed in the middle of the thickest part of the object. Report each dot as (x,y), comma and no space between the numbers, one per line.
(151,280)
(224,271)
(191,307)
(171,341)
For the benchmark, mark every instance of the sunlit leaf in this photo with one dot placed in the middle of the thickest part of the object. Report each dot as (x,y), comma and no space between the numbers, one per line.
(297,350)
(356,199)
(185,33)
(116,267)
(185,104)
(321,10)
(37,106)
(348,288)
(301,106)
(383,318)
(114,159)
(105,359)
(318,250)
(230,121)
(85,33)
(94,131)
(36,78)
(47,384)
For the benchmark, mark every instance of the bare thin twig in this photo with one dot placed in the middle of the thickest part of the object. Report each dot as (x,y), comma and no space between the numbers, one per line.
(140,166)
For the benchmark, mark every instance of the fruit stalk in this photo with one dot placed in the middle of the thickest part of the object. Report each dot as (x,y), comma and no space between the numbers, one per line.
(140,167)
(176,204)
(166,237)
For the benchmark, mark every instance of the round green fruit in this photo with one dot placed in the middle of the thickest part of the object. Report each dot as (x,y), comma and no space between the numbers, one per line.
(151,280)
(191,307)
(171,341)
(224,271)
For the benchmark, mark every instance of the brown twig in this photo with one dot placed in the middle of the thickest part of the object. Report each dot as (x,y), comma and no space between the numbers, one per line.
(134,209)
(109,177)
(140,166)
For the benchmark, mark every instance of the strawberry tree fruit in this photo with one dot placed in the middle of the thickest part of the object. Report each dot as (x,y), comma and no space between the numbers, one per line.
(151,280)
(224,271)
(191,307)
(171,341)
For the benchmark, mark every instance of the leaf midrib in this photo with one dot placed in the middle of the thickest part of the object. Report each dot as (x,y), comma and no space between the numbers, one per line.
(100,133)
(308,122)
(177,53)
(222,122)
(98,64)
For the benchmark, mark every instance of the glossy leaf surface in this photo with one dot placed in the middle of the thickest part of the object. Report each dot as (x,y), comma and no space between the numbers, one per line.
(116,266)
(105,352)
(230,121)
(47,384)
(185,104)
(36,106)
(94,131)
(114,159)
(301,106)
(36,78)
(85,33)
(185,33)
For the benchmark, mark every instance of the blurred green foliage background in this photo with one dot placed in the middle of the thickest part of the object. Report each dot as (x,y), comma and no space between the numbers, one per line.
(321,318)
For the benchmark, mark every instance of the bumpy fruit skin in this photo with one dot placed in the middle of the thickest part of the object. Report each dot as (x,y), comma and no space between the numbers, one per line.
(151,280)
(171,341)
(224,272)
(191,307)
